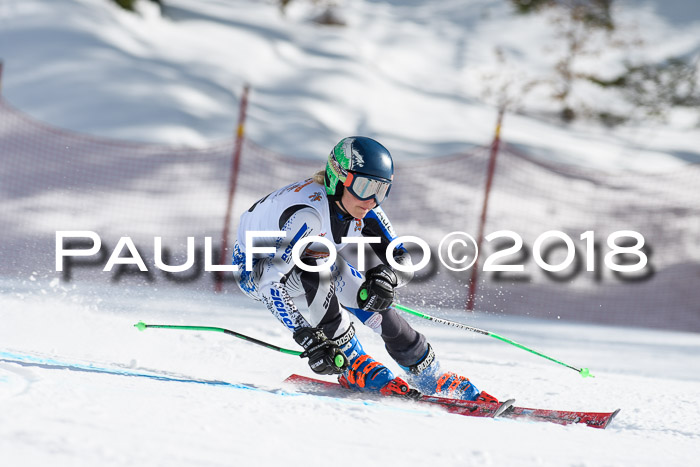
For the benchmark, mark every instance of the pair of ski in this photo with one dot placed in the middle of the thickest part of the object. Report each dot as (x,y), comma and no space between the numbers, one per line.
(505,409)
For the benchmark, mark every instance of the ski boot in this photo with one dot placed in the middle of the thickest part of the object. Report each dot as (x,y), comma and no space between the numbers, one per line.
(427,376)
(366,374)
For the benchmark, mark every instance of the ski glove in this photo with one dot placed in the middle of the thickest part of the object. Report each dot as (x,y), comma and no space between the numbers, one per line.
(325,357)
(377,292)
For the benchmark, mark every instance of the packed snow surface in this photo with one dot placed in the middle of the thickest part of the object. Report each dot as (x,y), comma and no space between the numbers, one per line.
(79,385)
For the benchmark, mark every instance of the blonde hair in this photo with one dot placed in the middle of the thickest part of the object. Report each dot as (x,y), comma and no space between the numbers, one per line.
(320,177)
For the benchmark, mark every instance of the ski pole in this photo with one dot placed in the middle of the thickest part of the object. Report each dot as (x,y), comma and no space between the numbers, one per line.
(141,326)
(582,371)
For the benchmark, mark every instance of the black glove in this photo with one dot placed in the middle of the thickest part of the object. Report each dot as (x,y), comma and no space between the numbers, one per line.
(325,357)
(377,292)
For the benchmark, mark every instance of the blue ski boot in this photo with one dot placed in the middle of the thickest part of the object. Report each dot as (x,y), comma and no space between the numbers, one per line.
(365,373)
(427,377)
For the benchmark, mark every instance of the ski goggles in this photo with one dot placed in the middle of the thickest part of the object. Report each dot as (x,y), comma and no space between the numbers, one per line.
(364,187)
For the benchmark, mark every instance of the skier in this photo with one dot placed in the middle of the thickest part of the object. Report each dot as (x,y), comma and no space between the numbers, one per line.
(342,201)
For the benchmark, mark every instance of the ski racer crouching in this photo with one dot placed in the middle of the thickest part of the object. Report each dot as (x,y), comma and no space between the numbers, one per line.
(342,201)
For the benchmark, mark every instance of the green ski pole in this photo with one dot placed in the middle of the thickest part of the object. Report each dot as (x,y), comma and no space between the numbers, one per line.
(141,326)
(582,371)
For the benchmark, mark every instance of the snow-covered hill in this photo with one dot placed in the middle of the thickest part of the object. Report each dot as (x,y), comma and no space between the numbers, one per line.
(408,73)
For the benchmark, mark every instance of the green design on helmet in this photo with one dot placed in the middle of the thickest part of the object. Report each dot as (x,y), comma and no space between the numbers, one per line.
(338,165)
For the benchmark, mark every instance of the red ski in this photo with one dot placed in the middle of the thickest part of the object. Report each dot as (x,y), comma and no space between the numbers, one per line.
(456,406)
(478,409)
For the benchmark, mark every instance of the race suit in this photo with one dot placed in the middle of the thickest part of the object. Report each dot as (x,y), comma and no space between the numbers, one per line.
(301,210)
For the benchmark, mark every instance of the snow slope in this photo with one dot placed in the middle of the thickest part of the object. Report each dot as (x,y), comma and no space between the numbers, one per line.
(80,386)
